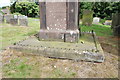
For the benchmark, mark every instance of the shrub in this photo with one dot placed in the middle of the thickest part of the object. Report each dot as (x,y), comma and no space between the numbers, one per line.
(103,10)
(25,8)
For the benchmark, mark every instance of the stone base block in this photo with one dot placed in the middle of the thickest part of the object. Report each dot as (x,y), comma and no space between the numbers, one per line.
(64,36)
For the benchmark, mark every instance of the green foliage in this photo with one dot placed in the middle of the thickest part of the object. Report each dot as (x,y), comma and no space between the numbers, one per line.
(103,10)
(102,21)
(25,8)
(17,13)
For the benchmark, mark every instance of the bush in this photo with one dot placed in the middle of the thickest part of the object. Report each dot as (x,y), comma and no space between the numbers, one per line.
(25,8)
(103,10)
(17,13)
(102,21)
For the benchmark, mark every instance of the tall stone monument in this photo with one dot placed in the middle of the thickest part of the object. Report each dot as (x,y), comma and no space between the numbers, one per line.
(59,21)
(116,24)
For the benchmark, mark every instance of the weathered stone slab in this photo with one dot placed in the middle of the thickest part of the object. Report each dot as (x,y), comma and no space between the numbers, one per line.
(8,17)
(1,18)
(84,50)
(23,22)
(96,20)
(14,21)
(87,17)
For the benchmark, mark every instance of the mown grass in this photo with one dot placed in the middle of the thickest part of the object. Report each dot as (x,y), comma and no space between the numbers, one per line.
(11,34)
(101,30)
(16,69)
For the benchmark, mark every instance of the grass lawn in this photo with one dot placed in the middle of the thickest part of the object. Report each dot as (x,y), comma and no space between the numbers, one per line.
(101,30)
(17,65)
(11,34)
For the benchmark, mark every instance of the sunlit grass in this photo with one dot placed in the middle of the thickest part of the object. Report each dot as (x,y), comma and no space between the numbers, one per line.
(11,34)
(101,30)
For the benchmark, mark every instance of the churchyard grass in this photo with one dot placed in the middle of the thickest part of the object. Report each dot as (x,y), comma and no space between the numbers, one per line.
(26,67)
(11,34)
(100,30)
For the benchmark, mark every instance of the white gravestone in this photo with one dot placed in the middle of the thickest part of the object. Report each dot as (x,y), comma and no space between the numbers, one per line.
(96,20)
(15,16)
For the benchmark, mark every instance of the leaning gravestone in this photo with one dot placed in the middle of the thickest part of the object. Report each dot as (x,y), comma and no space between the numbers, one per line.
(1,18)
(23,21)
(8,17)
(96,20)
(87,17)
(59,21)
(116,24)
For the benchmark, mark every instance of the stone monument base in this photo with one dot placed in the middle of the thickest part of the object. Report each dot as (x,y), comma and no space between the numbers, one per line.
(63,35)
(84,50)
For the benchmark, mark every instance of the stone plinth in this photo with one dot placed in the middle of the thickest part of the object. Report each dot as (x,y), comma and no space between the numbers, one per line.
(59,21)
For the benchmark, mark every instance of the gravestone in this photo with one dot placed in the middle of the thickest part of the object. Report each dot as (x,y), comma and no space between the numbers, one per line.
(87,17)
(108,22)
(23,21)
(96,20)
(1,18)
(8,17)
(59,21)
(14,21)
(15,16)
(116,24)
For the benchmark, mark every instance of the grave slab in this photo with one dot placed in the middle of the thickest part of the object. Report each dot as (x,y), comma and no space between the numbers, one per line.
(84,50)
